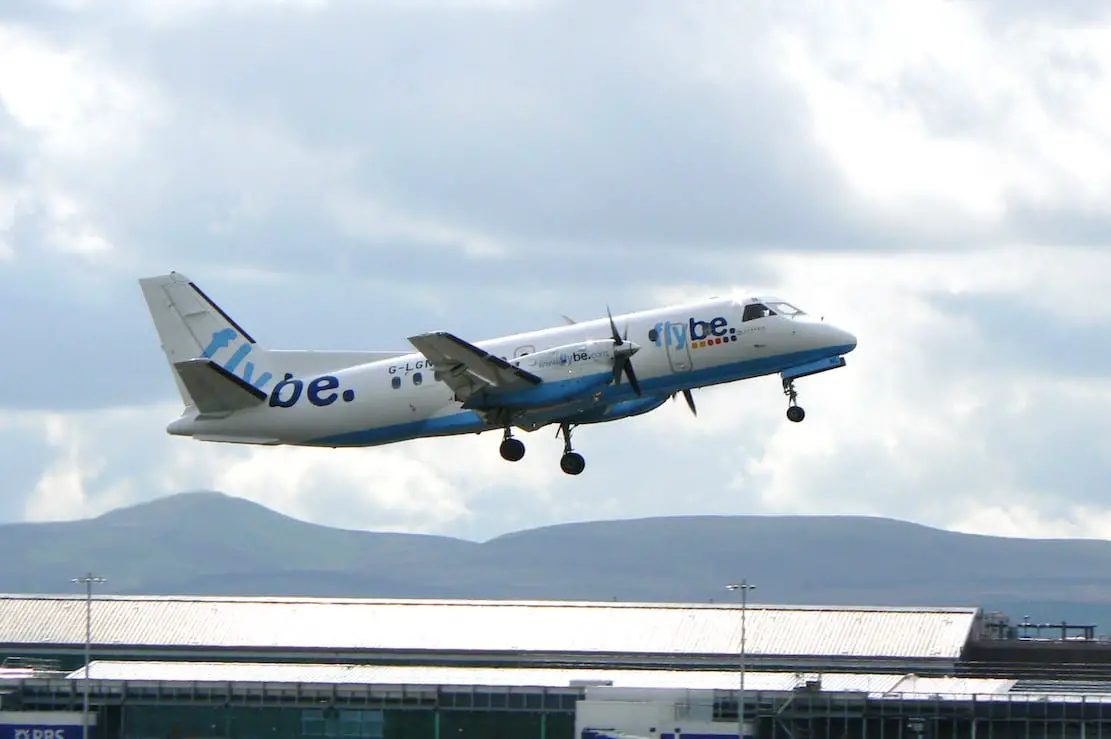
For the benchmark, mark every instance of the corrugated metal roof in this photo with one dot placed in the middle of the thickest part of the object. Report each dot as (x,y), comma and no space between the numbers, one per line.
(494,626)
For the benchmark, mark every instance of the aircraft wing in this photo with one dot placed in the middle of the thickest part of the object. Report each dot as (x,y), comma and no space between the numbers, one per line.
(466,369)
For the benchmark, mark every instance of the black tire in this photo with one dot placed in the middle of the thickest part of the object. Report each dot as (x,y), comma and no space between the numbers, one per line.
(572,463)
(512,449)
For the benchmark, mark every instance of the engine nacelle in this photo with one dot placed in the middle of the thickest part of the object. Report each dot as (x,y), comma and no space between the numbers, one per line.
(572,372)
(569,360)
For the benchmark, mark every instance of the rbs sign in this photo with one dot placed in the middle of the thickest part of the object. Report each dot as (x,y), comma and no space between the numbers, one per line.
(43,732)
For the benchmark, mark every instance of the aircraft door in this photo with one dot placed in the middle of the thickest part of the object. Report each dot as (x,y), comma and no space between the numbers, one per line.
(679,357)
(678,349)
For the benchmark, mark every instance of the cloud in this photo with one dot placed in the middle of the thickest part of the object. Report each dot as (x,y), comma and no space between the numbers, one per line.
(930,175)
(940,414)
(948,131)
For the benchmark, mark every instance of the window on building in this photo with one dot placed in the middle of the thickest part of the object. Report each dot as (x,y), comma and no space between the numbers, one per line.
(333,723)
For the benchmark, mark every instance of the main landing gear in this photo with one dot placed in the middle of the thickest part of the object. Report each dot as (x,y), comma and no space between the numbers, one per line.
(795,413)
(571,462)
(512,450)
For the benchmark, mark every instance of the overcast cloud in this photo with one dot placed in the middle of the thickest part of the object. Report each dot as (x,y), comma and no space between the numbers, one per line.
(935,176)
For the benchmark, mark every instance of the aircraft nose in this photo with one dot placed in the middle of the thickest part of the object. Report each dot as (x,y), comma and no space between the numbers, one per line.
(846,338)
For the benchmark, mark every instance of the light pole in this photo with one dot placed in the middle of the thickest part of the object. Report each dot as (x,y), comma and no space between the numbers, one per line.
(87,581)
(744,587)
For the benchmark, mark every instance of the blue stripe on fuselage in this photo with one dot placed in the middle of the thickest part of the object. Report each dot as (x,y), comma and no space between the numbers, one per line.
(466,421)
(544,395)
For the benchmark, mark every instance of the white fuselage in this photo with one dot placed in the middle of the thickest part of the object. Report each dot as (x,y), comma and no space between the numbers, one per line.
(399,398)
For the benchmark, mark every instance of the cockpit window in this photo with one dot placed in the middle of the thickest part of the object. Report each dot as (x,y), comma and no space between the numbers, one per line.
(756,310)
(785,309)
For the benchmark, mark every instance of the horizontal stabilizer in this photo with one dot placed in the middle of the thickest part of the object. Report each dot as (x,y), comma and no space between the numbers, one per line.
(214,389)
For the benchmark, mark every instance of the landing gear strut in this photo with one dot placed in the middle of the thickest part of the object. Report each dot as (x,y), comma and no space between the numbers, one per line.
(511,449)
(571,462)
(795,413)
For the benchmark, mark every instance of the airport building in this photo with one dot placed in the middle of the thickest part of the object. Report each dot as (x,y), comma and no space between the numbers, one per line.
(244,668)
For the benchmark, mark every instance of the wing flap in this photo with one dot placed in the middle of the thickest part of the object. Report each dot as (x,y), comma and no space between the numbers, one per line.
(467,369)
(214,389)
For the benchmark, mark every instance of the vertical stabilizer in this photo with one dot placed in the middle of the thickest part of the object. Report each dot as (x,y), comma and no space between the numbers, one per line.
(191,326)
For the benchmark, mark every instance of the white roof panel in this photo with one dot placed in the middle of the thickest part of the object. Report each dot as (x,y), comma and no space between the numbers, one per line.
(601,681)
(468,676)
(875,686)
(488,626)
(915,684)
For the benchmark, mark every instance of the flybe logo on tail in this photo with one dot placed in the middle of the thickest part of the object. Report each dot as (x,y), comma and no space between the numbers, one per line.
(221,340)
(696,333)
(319,391)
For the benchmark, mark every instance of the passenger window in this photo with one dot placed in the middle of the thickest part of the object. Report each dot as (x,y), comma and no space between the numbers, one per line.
(436,375)
(417,379)
(654,335)
(396,382)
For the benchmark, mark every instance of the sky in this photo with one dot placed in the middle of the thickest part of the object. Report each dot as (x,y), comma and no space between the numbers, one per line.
(933,176)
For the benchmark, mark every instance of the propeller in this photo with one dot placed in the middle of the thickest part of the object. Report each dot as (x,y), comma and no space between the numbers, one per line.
(690,399)
(623,351)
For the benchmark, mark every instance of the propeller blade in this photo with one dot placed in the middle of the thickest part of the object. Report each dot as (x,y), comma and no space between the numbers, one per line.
(690,400)
(632,377)
(613,327)
(624,365)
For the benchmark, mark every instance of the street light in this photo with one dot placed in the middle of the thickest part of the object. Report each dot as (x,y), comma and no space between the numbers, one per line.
(87,581)
(744,587)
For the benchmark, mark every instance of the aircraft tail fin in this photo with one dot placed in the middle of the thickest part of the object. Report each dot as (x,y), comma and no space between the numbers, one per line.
(192,327)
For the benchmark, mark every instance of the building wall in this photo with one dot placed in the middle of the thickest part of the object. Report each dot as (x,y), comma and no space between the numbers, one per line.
(648,718)
(844,716)
(242,722)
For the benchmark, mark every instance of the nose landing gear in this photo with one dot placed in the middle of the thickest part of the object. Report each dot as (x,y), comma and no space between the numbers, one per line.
(795,413)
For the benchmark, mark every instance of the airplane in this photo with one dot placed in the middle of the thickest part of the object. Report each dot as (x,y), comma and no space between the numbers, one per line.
(578,373)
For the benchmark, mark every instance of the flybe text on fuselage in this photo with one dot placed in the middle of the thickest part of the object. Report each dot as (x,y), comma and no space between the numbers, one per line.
(694,332)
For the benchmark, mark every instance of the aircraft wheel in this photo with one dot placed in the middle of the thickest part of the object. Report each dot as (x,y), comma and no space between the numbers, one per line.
(512,449)
(572,463)
(796,414)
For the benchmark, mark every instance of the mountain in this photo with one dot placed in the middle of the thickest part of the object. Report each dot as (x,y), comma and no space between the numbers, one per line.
(214,544)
